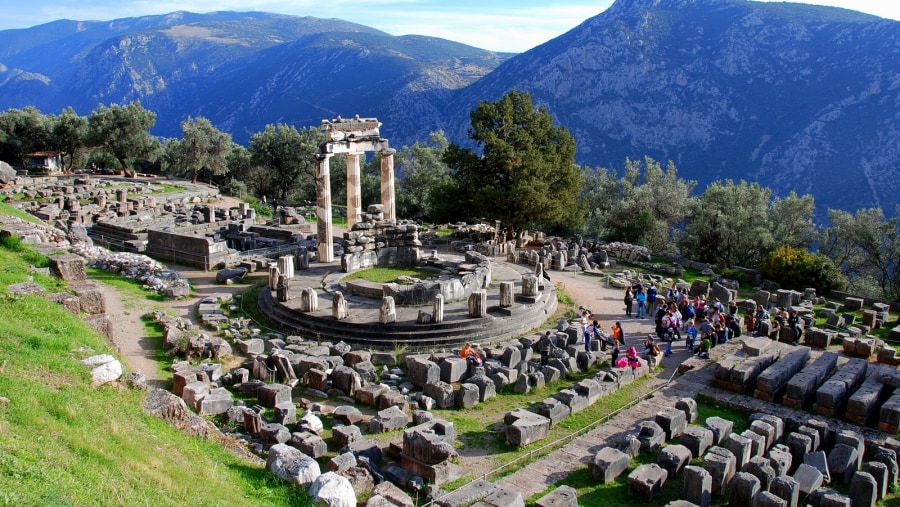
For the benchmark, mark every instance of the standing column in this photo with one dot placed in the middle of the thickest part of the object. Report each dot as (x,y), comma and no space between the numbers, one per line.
(387,183)
(323,208)
(354,199)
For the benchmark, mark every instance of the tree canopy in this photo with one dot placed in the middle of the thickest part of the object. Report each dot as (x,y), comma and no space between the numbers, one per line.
(123,132)
(288,154)
(201,148)
(526,173)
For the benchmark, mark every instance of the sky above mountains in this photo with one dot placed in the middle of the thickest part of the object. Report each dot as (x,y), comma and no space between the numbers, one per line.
(499,25)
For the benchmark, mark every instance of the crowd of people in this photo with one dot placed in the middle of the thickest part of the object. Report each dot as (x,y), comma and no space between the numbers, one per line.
(702,324)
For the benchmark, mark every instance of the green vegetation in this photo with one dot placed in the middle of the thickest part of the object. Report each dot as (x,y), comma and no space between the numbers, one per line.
(389,274)
(6,209)
(63,442)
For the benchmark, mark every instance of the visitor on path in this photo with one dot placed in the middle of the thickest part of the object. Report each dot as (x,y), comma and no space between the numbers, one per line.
(641,299)
(691,335)
(629,301)
(544,345)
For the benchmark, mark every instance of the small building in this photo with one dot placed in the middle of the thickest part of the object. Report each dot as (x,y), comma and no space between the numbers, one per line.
(47,162)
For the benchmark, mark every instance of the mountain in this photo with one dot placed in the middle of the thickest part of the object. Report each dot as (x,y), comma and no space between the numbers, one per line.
(240,70)
(793,96)
(796,97)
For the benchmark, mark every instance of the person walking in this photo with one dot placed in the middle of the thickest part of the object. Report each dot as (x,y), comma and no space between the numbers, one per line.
(544,345)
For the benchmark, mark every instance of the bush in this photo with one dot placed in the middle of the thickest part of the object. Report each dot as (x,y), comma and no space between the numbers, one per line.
(799,269)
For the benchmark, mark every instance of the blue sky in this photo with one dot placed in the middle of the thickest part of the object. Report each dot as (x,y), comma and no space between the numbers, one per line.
(500,25)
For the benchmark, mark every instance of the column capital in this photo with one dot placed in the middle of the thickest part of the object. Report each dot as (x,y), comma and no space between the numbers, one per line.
(387,151)
(322,156)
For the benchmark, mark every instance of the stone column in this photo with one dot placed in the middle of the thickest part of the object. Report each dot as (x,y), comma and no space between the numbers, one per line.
(323,208)
(478,304)
(354,193)
(388,312)
(438,309)
(274,273)
(506,294)
(539,274)
(339,309)
(529,286)
(286,266)
(283,292)
(387,183)
(302,259)
(309,300)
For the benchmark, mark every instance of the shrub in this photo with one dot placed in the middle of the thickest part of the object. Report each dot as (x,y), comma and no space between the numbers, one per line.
(798,269)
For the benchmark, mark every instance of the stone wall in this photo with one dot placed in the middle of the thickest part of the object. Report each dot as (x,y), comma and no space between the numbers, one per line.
(374,241)
(200,251)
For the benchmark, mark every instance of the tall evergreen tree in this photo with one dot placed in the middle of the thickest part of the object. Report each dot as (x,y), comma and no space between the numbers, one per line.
(526,173)
(123,132)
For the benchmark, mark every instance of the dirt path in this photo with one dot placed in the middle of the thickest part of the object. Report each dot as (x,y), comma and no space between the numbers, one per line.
(130,337)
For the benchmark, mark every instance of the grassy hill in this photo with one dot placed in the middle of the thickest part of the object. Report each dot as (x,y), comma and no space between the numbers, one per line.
(63,442)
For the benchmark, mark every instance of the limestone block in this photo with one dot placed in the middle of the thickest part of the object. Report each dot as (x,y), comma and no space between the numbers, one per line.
(889,458)
(553,409)
(441,392)
(308,443)
(292,466)
(787,488)
(343,435)
(766,430)
(673,422)
(389,419)
(271,395)
(651,436)
(673,459)
(697,439)
(333,490)
(697,486)
(467,396)
(422,371)
(781,460)
(744,489)
(843,462)
(646,481)
(721,465)
(341,462)
(863,490)
(757,442)
(762,469)
(453,369)
(879,472)
(740,447)
(689,407)
(720,428)
(524,427)
(563,496)
(608,464)
(808,478)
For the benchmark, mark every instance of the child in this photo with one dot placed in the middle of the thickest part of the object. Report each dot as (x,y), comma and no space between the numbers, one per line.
(615,352)
(691,334)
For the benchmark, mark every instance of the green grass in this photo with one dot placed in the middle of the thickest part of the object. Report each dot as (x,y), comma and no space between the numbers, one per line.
(389,274)
(63,442)
(6,209)
(445,232)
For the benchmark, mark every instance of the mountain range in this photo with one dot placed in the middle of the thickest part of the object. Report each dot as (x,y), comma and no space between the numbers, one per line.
(793,96)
